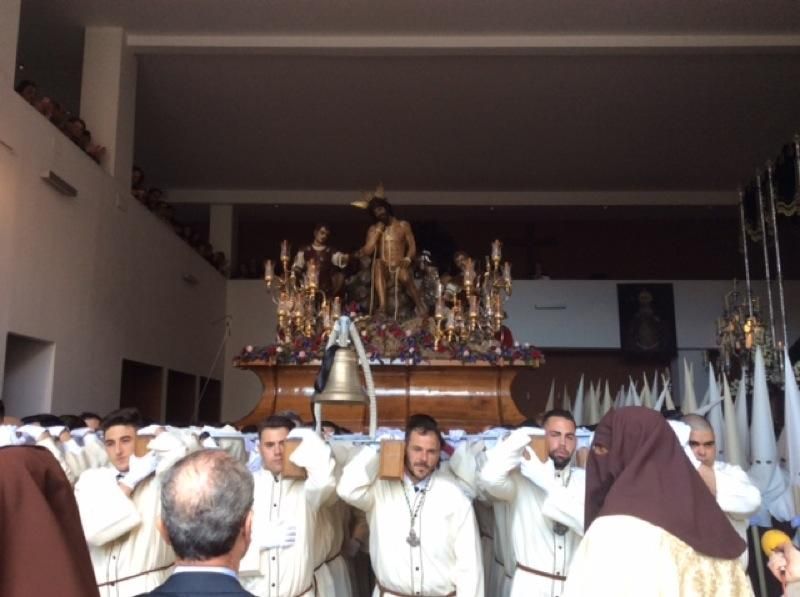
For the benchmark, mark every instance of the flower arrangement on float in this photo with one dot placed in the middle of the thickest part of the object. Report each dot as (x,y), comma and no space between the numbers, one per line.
(387,341)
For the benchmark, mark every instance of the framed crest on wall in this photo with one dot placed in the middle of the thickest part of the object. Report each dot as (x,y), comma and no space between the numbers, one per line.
(647,319)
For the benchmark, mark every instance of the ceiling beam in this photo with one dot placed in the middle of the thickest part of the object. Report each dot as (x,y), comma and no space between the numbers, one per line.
(457,44)
(467,198)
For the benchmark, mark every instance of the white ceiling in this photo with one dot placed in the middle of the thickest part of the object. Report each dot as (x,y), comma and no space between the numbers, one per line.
(529,95)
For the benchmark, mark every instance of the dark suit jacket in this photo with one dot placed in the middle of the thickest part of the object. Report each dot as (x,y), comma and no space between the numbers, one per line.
(207,584)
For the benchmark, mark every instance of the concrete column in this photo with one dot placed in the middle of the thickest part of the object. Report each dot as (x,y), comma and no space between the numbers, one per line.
(222,230)
(108,97)
(9,33)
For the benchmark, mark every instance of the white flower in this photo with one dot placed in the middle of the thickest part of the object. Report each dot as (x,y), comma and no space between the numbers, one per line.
(301,354)
(279,349)
(248,348)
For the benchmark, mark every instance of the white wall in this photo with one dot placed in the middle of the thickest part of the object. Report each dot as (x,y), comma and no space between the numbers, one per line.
(253,322)
(97,274)
(590,315)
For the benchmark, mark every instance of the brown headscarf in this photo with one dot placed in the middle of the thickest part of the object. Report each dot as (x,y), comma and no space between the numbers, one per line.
(41,540)
(646,474)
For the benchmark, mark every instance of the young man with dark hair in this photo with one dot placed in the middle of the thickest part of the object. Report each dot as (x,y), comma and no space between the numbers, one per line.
(280,561)
(423,534)
(544,500)
(119,505)
(91,420)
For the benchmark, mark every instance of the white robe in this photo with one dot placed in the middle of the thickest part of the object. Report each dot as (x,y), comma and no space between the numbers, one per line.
(533,513)
(624,556)
(448,557)
(121,532)
(738,498)
(288,571)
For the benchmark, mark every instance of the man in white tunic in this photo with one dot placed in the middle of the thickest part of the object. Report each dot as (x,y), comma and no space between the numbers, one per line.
(545,500)
(280,561)
(728,483)
(119,505)
(423,535)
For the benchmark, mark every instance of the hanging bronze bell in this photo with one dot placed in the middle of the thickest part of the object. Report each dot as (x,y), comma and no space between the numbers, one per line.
(344,382)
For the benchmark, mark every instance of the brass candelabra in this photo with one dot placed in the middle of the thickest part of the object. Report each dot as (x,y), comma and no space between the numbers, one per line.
(477,312)
(302,307)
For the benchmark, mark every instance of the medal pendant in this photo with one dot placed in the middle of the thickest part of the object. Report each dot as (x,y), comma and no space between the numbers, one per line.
(412,539)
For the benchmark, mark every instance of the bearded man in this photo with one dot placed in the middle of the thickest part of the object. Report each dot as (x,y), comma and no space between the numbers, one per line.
(546,502)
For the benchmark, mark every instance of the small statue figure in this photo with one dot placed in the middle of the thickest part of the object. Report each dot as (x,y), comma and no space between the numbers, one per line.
(329,262)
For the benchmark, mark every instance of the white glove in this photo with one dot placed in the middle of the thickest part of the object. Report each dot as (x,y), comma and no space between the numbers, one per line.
(539,473)
(8,436)
(35,432)
(91,437)
(139,468)
(276,534)
(81,432)
(516,442)
(56,430)
(384,433)
(311,449)
(209,443)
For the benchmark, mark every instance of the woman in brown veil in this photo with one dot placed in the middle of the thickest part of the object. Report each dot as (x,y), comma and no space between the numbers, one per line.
(652,526)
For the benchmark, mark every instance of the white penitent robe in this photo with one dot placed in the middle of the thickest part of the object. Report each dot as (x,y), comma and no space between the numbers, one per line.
(50,445)
(737,497)
(624,556)
(121,533)
(288,571)
(447,557)
(534,515)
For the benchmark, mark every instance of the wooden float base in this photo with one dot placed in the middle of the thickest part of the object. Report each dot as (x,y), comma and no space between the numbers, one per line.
(458,396)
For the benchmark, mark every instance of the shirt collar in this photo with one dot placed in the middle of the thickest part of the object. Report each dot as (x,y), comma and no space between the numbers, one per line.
(215,569)
(421,486)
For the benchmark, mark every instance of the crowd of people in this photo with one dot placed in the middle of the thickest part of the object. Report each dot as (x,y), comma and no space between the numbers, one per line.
(71,125)
(636,506)
(153,199)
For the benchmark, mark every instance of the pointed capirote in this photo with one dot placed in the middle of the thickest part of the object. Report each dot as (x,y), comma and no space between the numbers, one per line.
(619,399)
(763,469)
(654,390)
(632,398)
(646,396)
(670,403)
(742,423)
(733,448)
(714,416)
(593,405)
(577,410)
(660,402)
(688,399)
(551,399)
(607,401)
(791,406)
(566,403)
